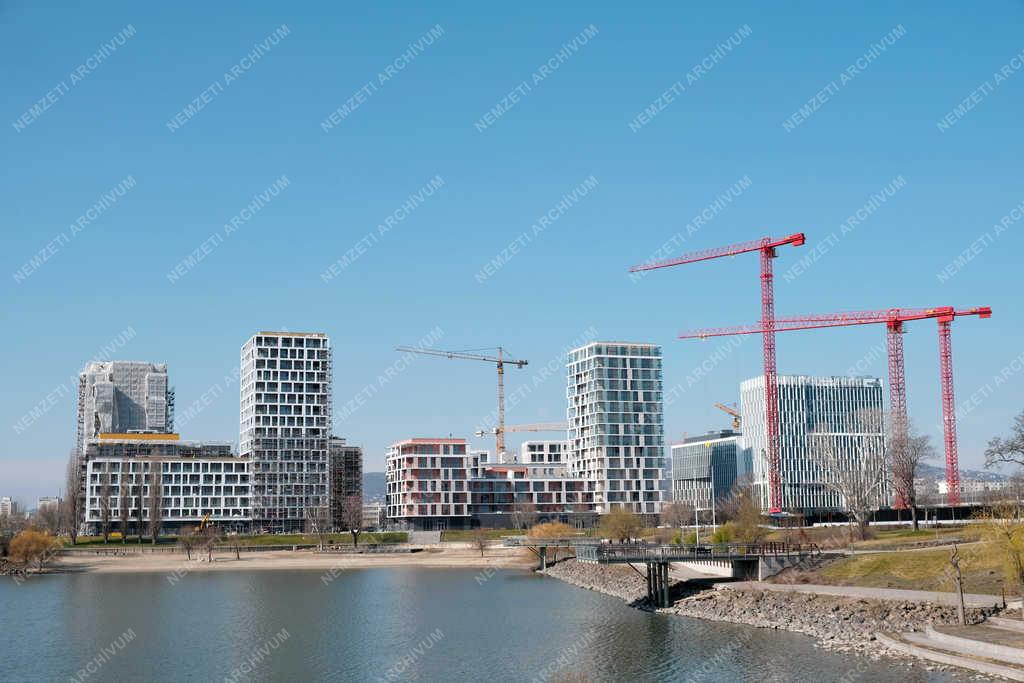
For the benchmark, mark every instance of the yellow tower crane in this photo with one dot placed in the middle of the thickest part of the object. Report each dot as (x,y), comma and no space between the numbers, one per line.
(499,360)
(732,411)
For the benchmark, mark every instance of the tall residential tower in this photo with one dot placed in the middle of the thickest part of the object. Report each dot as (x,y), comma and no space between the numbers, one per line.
(616,429)
(285,424)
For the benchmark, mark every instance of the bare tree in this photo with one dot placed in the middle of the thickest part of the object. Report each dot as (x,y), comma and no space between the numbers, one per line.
(187,541)
(677,514)
(352,516)
(318,521)
(853,466)
(524,513)
(71,506)
(1003,528)
(155,500)
(906,450)
(209,537)
(140,506)
(928,496)
(105,502)
(742,509)
(621,524)
(124,502)
(48,518)
(958,583)
(479,540)
(1010,450)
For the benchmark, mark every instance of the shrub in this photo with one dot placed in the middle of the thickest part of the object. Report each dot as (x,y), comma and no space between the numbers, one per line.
(724,534)
(31,546)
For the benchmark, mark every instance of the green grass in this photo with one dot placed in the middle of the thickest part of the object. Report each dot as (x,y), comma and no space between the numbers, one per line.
(97,541)
(301,539)
(881,537)
(263,539)
(468,535)
(896,537)
(918,570)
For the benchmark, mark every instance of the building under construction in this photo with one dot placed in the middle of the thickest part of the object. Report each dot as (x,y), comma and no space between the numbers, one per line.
(346,479)
(123,396)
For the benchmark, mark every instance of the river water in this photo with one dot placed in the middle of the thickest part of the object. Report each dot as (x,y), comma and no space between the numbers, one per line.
(384,625)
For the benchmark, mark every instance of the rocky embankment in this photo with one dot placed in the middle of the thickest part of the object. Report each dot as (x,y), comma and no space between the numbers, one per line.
(617,580)
(842,624)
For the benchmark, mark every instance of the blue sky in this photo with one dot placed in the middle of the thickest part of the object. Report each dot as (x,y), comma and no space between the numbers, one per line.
(875,119)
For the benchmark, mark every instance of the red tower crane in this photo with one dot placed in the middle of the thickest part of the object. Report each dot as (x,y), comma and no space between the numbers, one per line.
(766,246)
(893,318)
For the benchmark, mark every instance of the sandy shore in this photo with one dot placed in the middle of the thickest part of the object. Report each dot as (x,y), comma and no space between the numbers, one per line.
(450,558)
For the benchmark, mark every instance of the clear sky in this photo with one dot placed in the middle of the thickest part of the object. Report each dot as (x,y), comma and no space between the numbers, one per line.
(181,115)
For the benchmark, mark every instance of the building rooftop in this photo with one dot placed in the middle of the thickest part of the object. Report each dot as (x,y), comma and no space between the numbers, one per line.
(710,436)
(139,436)
(317,335)
(429,440)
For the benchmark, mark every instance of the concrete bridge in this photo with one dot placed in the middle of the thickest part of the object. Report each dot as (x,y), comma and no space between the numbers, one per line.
(748,561)
(751,561)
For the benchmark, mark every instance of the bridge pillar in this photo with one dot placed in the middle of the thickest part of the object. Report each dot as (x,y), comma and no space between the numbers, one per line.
(650,583)
(664,584)
(543,557)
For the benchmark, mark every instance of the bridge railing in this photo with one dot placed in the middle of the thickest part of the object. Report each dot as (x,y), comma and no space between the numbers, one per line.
(570,541)
(646,552)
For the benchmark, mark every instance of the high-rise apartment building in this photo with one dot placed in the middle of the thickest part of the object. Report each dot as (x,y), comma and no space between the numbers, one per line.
(616,429)
(285,423)
(346,477)
(842,414)
(121,397)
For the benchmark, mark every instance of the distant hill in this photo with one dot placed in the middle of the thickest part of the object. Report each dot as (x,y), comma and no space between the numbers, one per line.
(931,471)
(374,487)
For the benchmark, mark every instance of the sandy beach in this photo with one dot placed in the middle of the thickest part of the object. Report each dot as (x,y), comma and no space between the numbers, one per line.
(437,557)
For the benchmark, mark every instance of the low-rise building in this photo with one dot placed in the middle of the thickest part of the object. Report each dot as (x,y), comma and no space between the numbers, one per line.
(979,491)
(373,516)
(427,484)
(47,505)
(199,480)
(511,496)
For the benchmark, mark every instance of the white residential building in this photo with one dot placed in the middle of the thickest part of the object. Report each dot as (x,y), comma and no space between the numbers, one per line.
(285,424)
(197,480)
(847,411)
(123,396)
(7,507)
(428,484)
(616,430)
(979,491)
(544,458)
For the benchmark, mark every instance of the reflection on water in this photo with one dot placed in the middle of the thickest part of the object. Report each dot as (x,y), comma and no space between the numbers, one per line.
(385,625)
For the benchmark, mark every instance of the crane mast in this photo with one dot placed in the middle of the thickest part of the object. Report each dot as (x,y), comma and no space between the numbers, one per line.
(499,360)
(766,247)
(894,319)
